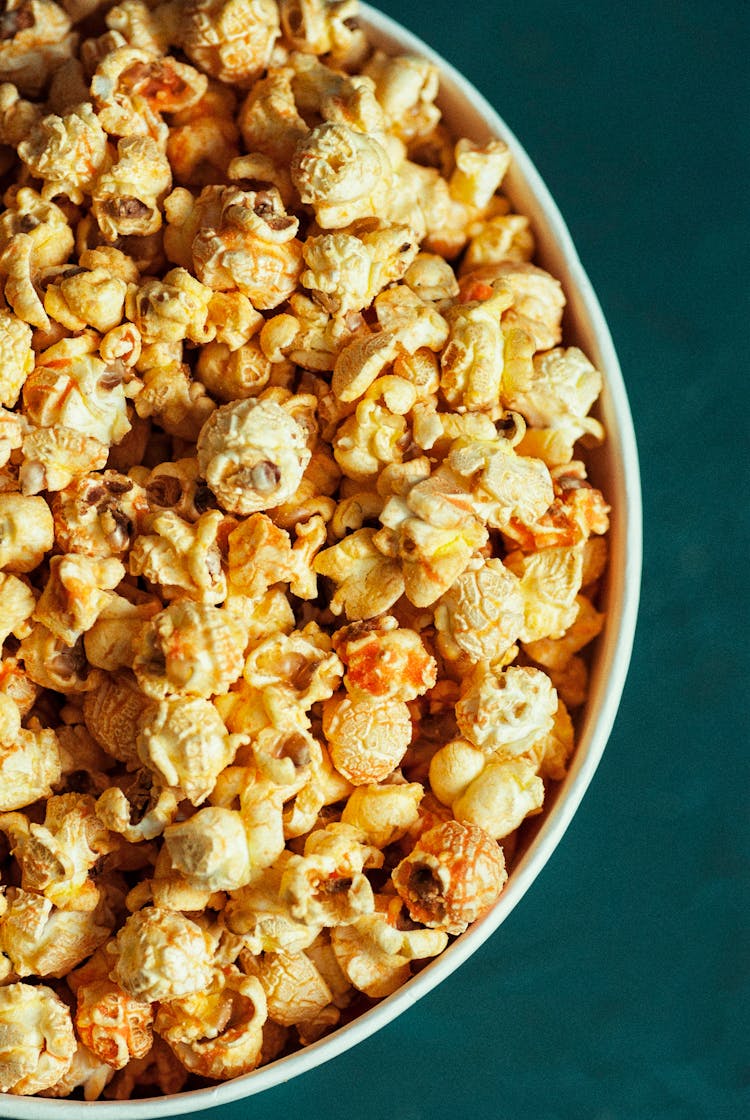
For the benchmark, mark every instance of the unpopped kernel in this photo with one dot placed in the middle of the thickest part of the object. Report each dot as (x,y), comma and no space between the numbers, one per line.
(299,559)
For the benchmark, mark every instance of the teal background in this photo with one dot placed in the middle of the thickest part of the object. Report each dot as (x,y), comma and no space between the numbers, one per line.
(617,988)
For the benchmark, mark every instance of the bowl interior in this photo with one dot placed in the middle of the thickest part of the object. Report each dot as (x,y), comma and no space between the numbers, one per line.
(614,469)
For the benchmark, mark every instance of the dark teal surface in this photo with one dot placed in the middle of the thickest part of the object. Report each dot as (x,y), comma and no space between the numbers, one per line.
(617,989)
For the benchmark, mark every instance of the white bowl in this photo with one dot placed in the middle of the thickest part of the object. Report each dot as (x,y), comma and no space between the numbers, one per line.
(613,468)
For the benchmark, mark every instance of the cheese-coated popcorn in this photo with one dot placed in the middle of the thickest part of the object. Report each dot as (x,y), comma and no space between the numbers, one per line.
(367,737)
(231,40)
(505,711)
(38,1042)
(27,532)
(29,759)
(217,1033)
(37,39)
(114,1025)
(185,743)
(501,797)
(481,615)
(299,555)
(161,955)
(18,357)
(451,877)
(66,153)
(252,454)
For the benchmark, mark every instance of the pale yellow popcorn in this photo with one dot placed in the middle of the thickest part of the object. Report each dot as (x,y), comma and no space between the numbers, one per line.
(342,173)
(17,116)
(324,91)
(231,40)
(41,940)
(86,299)
(368,582)
(453,768)
(51,663)
(232,375)
(293,672)
(13,428)
(384,660)
(185,743)
(294,988)
(497,238)
(67,153)
(550,581)
(556,653)
(111,713)
(171,309)
(73,388)
(218,1032)
(421,197)
(17,602)
(38,1043)
(75,593)
(57,856)
(189,649)
(538,301)
(551,754)
(501,797)
(258,914)
(99,514)
(161,955)
(368,440)
(560,387)
(384,813)
(376,957)
(472,361)
(17,356)
(54,457)
(85,1072)
(203,139)
(269,120)
(126,198)
(252,454)
(505,486)
(481,615)
(148,28)
(29,759)
(43,222)
(367,737)
(111,641)
(347,268)
(325,27)
(36,41)
(431,278)
(211,849)
(136,808)
(178,404)
(180,558)
(406,87)
(479,171)
(27,532)
(327,886)
(504,712)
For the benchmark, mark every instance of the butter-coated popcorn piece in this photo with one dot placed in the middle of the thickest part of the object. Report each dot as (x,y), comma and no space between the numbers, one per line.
(472,361)
(479,170)
(294,988)
(291,671)
(54,457)
(41,940)
(327,886)
(451,877)
(185,743)
(27,532)
(161,955)
(347,268)
(72,387)
(85,1072)
(112,712)
(171,309)
(17,116)
(29,759)
(99,514)
(561,385)
(384,813)
(177,403)
(556,653)
(368,582)
(211,849)
(203,138)
(75,593)
(151,28)
(481,615)
(367,737)
(17,602)
(28,215)
(217,1032)
(38,1042)
(550,754)
(180,558)
(158,1072)
(231,40)
(368,440)
(406,87)
(342,173)
(550,581)
(86,299)
(431,278)
(232,375)
(36,40)
(384,660)
(252,454)
(498,237)
(269,120)
(501,797)
(18,685)
(136,807)
(111,641)
(66,153)
(324,27)
(54,664)
(189,649)
(114,1025)
(18,357)
(13,428)
(131,88)
(376,956)
(258,914)
(538,301)
(126,198)
(505,711)
(504,485)
(453,768)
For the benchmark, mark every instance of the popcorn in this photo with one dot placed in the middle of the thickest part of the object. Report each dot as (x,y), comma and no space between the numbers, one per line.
(299,559)
(38,1042)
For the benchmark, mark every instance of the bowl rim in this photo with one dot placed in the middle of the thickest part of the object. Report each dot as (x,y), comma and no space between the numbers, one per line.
(612,665)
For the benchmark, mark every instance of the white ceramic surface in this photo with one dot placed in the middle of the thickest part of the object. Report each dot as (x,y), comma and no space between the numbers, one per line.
(614,468)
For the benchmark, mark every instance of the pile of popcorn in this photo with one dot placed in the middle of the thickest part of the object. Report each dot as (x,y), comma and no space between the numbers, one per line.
(298,554)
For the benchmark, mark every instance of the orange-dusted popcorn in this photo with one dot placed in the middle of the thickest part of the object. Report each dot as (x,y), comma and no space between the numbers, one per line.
(230,39)
(367,736)
(115,1026)
(37,39)
(189,649)
(384,660)
(451,877)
